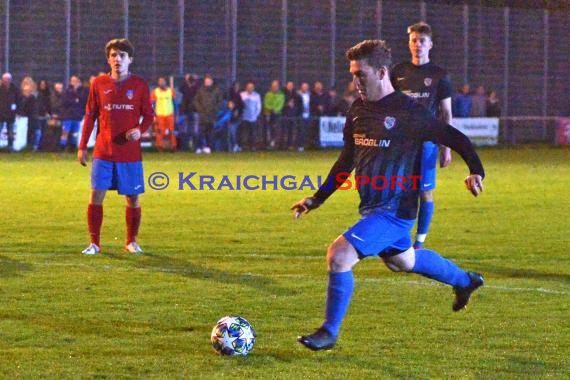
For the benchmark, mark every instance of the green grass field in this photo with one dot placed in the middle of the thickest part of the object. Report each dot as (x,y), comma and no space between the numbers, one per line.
(214,253)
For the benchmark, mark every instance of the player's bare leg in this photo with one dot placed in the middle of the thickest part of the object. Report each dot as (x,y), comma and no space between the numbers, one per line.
(94,221)
(133,220)
(430,264)
(341,258)
(425,215)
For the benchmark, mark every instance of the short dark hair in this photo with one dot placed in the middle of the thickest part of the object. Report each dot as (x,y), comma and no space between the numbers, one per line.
(421,28)
(376,53)
(121,44)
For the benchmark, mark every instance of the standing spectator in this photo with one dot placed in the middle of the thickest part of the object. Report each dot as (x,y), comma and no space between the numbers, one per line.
(463,102)
(29,108)
(9,99)
(208,102)
(479,107)
(44,106)
(305,123)
(56,100)
(292,113)
(337,106)
(251,111)
(72,112)
(273,102)
(188,89)
(163,99)
(320,102)
(224,128)
(493,105)
(234,96)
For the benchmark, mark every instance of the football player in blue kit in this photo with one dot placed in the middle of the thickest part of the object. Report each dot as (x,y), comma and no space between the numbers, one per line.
(383,138)
(430,85)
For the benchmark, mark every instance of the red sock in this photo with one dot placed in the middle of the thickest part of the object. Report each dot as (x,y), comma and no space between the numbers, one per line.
(133,218)
(94,221)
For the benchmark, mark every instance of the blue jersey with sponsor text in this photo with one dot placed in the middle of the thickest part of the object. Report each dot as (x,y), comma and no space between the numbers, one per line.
(383,144)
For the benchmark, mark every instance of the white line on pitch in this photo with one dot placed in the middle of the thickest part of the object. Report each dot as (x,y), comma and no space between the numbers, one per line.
(366,279)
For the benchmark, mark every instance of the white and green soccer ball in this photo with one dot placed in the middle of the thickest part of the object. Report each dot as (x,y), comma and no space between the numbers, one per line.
(233,335)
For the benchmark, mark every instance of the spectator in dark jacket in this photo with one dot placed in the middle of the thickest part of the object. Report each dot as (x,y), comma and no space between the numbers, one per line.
(9,99)
(72,112)
(208,102)
(320,102)
(44,106)
(56,100)
(189,129)
(493,105)
(29,107)
(234,98)
(292,113)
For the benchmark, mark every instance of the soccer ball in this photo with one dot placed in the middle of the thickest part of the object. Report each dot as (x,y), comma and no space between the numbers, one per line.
(233,335)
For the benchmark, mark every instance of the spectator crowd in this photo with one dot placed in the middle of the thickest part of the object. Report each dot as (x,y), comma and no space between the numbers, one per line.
(199,115)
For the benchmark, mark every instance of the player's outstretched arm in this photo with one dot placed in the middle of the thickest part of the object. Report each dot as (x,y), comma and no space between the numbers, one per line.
(474,184)
(82,156)
(304,206)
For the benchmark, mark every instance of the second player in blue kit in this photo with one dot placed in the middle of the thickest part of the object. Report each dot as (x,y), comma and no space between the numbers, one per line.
(429,85)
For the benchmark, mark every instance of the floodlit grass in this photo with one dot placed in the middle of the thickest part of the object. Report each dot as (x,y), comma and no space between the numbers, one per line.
(214,253)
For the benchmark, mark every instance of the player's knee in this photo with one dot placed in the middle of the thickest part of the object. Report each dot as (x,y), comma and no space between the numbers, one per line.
(341,256)
(403,262)
(391,266)
(133,200)
(97,197)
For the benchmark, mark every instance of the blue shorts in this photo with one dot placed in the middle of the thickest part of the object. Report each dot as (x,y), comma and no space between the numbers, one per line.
(70,126)
(379,233)
(430,153)
(125,177)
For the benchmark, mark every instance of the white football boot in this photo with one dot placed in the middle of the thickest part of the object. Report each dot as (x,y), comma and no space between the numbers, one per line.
(93,249)
(133,247)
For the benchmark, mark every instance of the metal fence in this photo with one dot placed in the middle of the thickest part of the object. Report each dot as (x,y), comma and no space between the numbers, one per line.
(514,50)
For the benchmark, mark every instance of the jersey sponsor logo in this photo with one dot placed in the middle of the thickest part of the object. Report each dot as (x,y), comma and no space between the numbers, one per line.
(389,122)
(107,91)
(362,140)
(428,81)
(130,94)
(417,95)
(120,107)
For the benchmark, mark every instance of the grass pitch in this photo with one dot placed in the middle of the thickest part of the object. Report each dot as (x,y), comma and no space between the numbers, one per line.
(215,253)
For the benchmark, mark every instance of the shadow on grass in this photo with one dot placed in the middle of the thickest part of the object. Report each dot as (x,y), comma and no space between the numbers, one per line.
(528,273)
(13,268)
(166,264)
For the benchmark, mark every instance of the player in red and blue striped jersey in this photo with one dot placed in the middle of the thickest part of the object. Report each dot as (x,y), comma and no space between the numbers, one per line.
(429,85)
(120,103)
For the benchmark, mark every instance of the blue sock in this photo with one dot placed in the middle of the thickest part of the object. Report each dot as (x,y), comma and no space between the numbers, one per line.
(424,220)
(430,264)
(341,286)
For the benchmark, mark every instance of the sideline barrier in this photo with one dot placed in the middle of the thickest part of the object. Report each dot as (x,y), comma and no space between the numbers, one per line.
(481,130)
